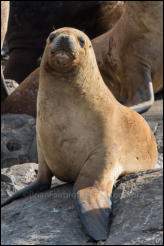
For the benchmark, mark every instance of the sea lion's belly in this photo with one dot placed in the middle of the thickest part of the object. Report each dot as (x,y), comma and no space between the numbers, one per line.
(68,133)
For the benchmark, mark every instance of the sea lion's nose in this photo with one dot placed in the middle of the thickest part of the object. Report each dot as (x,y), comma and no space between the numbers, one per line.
(64,41)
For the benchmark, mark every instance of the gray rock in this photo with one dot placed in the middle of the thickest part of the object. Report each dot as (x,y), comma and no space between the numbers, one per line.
(18,139)
(138,210)
(154,117)
(50,218)
(16,177)
(11,85)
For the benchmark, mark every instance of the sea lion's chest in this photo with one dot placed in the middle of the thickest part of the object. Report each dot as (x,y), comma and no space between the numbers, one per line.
(68,130)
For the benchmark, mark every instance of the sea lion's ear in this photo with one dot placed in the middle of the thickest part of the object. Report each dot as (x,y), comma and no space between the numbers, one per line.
(94,208)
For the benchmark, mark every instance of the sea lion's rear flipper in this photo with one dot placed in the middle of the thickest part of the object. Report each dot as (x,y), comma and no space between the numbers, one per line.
(28,190)
(94,209)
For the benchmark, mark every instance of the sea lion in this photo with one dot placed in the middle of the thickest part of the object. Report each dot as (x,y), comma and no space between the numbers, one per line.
(84,135)
(130,56)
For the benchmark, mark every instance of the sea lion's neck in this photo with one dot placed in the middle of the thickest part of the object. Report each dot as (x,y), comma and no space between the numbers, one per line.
(85,81)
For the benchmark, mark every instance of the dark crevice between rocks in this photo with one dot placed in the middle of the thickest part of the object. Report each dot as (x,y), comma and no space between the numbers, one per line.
(12,145)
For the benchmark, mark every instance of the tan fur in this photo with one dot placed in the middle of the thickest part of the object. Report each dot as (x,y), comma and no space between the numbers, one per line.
(84,134)
(83,131)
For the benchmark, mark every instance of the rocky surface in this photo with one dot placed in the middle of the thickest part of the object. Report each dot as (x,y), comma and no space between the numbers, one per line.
(50,218)
(154,117)
(14,178)
(18,139)
(138,210)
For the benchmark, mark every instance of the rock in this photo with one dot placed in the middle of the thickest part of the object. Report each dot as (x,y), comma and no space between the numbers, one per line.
(154,117)
(15,178)
(50,218)
(18,139)
(137,210)
(11,85)
(8,86)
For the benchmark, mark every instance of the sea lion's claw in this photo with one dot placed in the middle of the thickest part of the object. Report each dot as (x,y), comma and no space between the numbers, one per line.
(94,208)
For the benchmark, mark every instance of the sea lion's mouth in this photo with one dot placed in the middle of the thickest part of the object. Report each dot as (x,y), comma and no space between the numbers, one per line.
(63,53)
(62,58)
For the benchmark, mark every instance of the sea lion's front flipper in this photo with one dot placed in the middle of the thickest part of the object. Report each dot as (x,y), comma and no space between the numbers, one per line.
(93,191)
(94,209)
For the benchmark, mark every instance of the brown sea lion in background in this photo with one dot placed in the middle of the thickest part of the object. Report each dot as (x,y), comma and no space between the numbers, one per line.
(30,22)
(23,99)
(84,135)
(130,56)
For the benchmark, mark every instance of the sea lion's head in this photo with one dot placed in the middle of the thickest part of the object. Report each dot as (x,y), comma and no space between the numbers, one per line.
(66,49)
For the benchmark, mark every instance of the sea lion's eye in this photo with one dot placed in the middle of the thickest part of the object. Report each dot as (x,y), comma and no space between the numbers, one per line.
(52,36)
(81,41)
